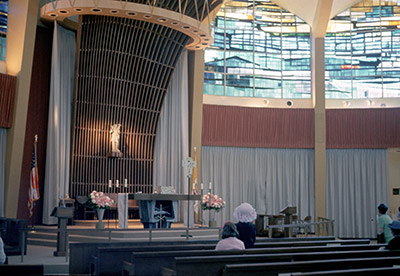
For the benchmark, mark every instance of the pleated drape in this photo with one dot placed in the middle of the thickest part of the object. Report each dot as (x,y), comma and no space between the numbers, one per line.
(172,141)
(357,181)
(268,179)
(59,125)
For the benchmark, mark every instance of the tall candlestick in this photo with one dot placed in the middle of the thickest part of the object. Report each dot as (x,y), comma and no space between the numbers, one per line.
(109,183)
(117,183)
(126,183)
(209,186)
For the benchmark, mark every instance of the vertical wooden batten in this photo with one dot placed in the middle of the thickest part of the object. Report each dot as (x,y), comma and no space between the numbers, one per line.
(123,73)
(7,91)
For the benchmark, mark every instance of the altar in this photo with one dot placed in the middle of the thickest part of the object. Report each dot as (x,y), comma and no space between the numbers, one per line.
(160,210)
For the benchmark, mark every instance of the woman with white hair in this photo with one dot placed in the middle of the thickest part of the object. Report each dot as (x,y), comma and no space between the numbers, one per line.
(246,214)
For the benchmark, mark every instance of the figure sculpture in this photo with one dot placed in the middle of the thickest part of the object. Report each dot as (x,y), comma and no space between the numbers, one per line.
(115,131)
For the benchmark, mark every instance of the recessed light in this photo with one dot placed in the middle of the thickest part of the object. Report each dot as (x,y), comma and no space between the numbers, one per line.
(63,11)
(96,10)
(162,20)
(78,9)
(131,13)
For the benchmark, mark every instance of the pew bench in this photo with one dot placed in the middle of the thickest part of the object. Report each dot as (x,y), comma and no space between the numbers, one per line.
(310,243)
(150,263)
(213,265)
(274,269)
(110,260)
(81,253)
(21,269)
(387,271)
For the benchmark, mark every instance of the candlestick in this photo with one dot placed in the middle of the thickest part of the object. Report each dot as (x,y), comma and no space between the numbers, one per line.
(117,183)
(209,186)
(126,183)
(109,183)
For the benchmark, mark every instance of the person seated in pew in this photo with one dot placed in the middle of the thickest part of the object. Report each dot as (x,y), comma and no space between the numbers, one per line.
(229,238)
(394,244)
(246,214)
(383,222)
(2,254)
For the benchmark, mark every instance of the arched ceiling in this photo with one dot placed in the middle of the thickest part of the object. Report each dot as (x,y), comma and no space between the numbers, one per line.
(316,12)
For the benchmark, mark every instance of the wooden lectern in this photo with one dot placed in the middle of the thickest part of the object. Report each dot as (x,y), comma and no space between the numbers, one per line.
(288,212)
(63,214)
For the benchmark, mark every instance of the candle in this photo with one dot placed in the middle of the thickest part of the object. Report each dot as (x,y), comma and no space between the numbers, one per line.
(117,183)
(201,186)
(109,183)
(209,186)
(126,183)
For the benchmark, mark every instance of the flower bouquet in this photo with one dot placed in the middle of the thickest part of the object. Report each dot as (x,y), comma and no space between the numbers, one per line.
(99,200)
(212,202)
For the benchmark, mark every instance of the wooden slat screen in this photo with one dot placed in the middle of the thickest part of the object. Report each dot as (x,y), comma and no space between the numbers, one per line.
(235,126)
(7,91)
(363,128)
(125,67)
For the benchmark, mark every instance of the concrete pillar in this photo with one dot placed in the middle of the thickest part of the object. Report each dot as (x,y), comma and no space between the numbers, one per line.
(318,96)
(21,31)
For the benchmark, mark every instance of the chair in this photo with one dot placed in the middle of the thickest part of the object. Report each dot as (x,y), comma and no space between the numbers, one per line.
(82,210)
(133,209)
(305,229)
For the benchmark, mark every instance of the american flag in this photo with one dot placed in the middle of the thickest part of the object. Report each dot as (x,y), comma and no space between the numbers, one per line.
(34,181)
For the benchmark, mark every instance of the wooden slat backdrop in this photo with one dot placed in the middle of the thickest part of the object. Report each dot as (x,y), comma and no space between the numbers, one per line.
(125,67)
(294,128)
(235,126)
(363,128)
(7,91)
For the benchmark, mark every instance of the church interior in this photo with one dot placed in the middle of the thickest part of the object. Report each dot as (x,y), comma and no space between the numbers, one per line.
(153,110)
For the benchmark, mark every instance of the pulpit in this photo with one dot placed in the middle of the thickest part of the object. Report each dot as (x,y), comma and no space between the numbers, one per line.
(63,214)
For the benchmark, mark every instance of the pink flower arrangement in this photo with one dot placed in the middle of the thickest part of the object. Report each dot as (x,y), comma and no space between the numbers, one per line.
(99,200)
(211,201)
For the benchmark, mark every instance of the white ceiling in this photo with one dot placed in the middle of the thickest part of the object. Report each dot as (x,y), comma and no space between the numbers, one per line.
(316,12)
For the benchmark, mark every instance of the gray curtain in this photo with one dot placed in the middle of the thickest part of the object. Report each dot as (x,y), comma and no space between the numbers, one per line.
(357,181)
(3,140)
(59,124)
(268,179)
(172,141)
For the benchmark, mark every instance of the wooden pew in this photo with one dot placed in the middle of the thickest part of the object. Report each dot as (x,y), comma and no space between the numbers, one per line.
(150,263)
(110,260)
(309,243)
(274,269)
(80,253)
(81,260)
(387,271)
(21,269)
(213,265)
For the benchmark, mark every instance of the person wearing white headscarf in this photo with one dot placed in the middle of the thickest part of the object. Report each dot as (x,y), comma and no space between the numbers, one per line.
(246,214)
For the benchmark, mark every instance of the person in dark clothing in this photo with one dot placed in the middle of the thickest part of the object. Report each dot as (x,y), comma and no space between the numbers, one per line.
(246,214)
(394,244)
